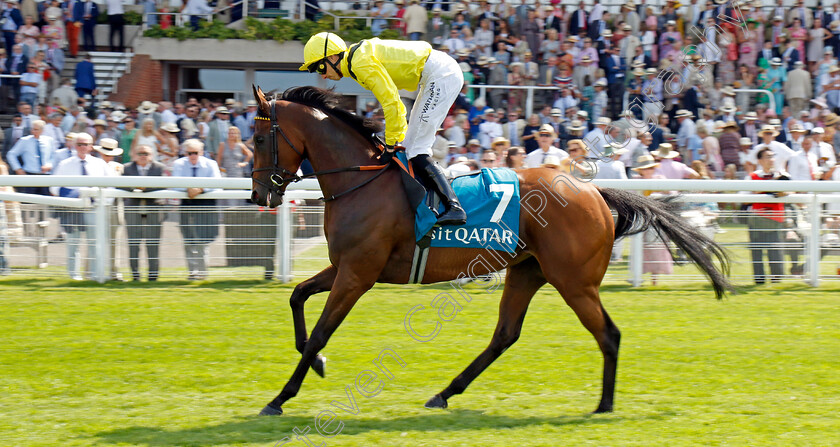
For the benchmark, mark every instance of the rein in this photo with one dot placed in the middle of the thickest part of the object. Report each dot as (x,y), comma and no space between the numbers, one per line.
(280,176)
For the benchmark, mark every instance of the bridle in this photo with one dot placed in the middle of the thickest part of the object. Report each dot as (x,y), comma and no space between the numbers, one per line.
(281,176)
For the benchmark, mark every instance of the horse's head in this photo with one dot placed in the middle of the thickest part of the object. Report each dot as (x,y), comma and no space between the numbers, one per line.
(277,156)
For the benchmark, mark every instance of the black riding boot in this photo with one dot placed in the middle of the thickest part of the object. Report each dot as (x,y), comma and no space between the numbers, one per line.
(436,180)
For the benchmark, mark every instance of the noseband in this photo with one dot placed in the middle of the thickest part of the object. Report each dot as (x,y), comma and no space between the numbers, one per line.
(281,176)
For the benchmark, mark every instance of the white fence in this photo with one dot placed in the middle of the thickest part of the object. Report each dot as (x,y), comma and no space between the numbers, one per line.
(288,242)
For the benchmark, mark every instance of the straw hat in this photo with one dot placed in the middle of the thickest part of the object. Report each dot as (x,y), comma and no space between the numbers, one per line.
(797,128)
(629,5)
(551,161)
(728,91)
(665,150)
(473,142)
(222,109)
(147,107)
(767,128)
(556,112)
(603,121)
(586,59)
(650,71)
(170,127)
(600,83)
(106,105)
(576,126)
(611,149)
(750,116)
(644,162)
(831,120)
(100,122)
(639,72)
(109,146)
(776,61)
(745,141)
(820,102)
(547,128)
(728,109)
(682,113)
(818,130)
(607,33)
(499,140)
(731,124)
(118,116)
(463,52)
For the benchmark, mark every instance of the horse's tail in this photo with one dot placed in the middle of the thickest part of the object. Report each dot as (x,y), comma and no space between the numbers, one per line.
(637,213)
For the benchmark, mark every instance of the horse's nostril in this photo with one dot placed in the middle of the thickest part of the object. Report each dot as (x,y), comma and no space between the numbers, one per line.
(255,197)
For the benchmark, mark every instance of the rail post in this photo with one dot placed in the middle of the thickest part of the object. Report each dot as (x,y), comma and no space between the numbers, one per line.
(637,257)
(814,243)
(102,218)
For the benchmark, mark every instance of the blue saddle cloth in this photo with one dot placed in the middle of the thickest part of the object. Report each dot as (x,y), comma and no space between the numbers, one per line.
(491,199)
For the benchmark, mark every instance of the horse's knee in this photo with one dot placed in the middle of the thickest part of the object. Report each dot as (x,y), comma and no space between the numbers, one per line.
(503,340)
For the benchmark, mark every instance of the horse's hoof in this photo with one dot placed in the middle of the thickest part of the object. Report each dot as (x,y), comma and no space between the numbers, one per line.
(603,409)
(319,365)
(436,402)
(271,411)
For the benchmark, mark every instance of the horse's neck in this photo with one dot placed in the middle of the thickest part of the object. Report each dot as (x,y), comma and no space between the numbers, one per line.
(336,146)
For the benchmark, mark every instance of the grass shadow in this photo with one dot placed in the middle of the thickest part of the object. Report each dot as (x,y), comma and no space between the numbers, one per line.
(260,429)
(40,284)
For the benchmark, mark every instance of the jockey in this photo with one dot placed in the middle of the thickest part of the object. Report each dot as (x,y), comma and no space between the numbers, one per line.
(384,67)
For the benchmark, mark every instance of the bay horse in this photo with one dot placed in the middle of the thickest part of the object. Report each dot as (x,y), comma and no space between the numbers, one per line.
(369,228)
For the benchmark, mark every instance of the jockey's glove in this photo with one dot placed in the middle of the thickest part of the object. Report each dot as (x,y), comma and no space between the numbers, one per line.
(387,154)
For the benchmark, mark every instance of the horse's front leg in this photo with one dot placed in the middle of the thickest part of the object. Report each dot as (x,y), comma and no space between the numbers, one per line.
(347,288)
(321,282)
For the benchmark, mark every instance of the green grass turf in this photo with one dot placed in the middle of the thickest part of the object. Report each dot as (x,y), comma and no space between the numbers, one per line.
(178,364)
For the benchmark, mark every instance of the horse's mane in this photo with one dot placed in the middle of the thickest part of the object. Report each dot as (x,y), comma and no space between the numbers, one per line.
(328,101)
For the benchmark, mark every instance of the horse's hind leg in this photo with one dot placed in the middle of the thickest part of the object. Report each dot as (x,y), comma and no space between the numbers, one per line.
(321,282)
(586,302)
(522,282)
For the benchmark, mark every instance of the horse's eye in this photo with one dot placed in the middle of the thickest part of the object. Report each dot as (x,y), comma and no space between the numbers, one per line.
(259,140)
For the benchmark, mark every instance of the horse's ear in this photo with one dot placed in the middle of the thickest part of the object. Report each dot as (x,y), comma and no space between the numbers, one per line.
(260,97)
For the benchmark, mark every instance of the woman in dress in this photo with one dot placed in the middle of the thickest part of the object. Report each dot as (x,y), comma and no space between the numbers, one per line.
(799,36)
(816,43)
(233,156)
(822,68)
(670,40)
(657,255)
(529,133)
(748,49)
(127,137)
(29,32)
(169,147)
(516,97)
(551,45)
(147,135)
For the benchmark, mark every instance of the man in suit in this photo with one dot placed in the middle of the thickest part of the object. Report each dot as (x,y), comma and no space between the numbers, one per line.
(512,129)
(13,21)
(790,55)
(85,79)
(143,217)
(12,134)
(16,64)
(806,18)
(218,131)
(776,32)
(798,88)
(75,221)
(54,57)
(85,14)
(551,20)
(578,23)
(616,69)
(198,227)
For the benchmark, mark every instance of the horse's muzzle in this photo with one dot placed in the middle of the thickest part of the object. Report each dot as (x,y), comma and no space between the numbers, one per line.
(269,199)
